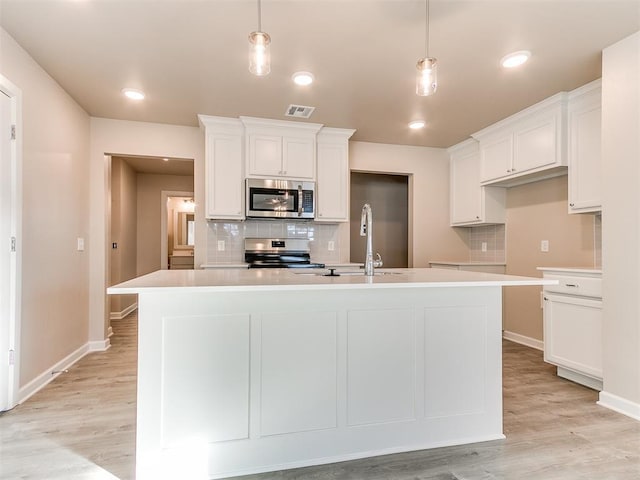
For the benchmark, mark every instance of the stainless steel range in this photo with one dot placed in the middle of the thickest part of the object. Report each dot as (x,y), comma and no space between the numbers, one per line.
(278,253)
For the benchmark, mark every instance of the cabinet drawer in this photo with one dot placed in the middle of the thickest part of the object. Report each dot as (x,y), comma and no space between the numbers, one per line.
(575,285)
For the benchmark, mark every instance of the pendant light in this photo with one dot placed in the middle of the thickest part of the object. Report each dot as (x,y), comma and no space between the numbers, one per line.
(427,74)
(259,53)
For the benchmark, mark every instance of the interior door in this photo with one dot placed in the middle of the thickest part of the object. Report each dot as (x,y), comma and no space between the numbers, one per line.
(6,267)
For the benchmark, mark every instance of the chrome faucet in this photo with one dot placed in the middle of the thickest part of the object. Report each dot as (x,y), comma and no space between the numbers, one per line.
(366,229)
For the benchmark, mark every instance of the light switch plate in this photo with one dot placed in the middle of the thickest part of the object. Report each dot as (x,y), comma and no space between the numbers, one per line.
(80,244)
(544,245)
(221,245)
(484,246)
(331,246)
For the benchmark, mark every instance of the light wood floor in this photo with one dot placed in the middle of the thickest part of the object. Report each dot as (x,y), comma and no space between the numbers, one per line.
(82,426)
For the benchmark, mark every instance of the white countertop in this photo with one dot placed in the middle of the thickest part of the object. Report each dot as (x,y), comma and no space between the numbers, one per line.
(479,264)
(570,270)
(217,280)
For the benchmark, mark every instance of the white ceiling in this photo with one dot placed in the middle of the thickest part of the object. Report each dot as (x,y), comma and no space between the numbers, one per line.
(159,166)
(190,57)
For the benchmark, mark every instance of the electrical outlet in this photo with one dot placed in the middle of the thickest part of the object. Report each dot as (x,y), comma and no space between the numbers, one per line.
(80,244)
(332,246)
(221,245)
(484,246)
(544,245)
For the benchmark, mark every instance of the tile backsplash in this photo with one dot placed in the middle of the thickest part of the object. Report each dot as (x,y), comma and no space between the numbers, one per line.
(234,233)
(494,237)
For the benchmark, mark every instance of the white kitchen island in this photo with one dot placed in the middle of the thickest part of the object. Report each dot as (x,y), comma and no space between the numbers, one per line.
(244,371)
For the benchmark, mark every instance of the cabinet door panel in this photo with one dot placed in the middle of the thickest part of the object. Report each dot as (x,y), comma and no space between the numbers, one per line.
(298,155)
(573,333)
(265,155)
(465,189)
(496,157)
(535,147)
(584,159)
(333,183)
(223,172)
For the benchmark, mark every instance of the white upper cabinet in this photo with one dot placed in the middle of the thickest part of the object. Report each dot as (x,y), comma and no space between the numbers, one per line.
(280,149)
(471,203)
(527,146)
(333,175)
(585,111)
(224,172)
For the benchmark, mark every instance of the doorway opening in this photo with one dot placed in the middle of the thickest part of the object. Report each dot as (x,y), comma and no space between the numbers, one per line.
(140,188)
(388,196)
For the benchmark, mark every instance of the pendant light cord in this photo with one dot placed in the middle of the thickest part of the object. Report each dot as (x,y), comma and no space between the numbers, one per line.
(426,33)
(259,16)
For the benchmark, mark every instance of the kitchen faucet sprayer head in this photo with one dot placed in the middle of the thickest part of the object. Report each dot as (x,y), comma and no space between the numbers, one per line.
(363,220)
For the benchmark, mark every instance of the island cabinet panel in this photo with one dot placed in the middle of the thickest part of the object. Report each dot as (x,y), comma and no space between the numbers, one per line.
(381,366)
(446,329)
(215,406)
(233,382)
(298,375)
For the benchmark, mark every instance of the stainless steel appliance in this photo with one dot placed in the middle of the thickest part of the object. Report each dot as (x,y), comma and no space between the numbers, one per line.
(278,253)
(280,199)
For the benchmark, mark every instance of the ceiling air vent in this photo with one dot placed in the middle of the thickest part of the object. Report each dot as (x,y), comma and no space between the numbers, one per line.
(299,111)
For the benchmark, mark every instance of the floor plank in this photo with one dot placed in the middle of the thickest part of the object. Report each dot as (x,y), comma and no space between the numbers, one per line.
(82,426)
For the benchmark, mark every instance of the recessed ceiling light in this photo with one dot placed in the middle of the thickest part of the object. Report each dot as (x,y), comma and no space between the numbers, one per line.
(417,124)
(133,94)
(302,78)
(515,59)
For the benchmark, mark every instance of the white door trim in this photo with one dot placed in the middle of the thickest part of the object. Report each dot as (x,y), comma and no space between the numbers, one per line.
(164,237)
(12,315)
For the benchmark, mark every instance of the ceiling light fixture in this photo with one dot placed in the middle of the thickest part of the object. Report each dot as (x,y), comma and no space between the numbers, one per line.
(417,124)
(259,52)
(133,94)
(302,78)
(515,59)
(427,76)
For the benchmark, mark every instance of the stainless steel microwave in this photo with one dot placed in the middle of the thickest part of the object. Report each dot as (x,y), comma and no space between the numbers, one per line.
(280,199)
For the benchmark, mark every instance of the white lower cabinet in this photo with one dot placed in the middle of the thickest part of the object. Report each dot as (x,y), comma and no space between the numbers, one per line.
(573,325)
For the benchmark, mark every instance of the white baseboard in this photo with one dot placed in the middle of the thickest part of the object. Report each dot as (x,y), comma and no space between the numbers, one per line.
(522,340)
(110,332)
(120,315)
(47,376)
(620,405)
(99,345)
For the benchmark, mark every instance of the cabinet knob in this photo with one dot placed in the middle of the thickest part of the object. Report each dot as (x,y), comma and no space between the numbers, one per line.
(572,204)
(477,217)
(509,171)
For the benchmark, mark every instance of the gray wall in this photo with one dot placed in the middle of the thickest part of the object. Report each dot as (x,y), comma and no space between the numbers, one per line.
(388,197)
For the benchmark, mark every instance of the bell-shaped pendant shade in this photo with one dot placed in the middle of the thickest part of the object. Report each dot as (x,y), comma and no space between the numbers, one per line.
(426,77)
(259,53)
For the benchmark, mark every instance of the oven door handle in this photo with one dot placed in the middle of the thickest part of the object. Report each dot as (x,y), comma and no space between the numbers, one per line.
(299,200)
